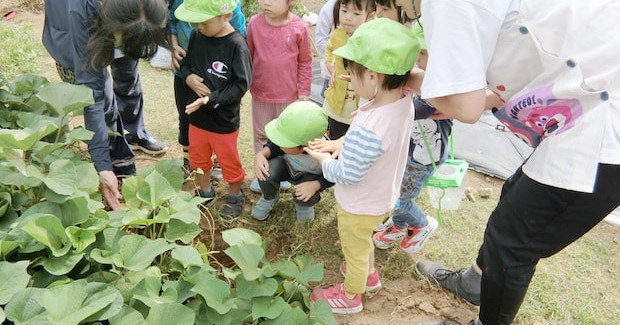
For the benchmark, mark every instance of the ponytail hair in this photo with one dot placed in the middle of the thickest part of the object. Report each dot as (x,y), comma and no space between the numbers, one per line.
(139,26)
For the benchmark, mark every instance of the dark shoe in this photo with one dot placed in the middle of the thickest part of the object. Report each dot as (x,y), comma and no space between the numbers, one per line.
(449,322)
(187,170)
(124,168)
(216,172)
(150,145)
(448,279)
(208,195)
(233,207)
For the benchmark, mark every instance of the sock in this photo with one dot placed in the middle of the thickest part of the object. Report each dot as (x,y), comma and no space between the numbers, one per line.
(470,280)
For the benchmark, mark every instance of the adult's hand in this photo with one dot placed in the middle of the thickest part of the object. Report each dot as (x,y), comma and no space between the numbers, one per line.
(109,189)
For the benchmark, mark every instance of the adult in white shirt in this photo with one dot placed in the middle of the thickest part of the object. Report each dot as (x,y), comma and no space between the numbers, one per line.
(555,64)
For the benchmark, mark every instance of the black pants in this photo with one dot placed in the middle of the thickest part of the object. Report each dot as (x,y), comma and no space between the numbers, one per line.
(279,171)
(180,97)
(533,221)
(336,129)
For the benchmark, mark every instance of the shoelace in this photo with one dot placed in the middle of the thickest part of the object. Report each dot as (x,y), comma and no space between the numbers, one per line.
(443,274)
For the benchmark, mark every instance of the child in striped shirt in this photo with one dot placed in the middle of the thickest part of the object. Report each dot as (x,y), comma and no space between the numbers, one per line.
(371,162)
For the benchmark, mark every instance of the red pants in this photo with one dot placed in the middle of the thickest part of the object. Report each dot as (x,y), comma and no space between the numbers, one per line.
(202,145)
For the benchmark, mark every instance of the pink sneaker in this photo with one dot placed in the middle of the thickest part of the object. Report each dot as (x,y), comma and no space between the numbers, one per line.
(416,237)
(337,300)
(373,282)
(388,237)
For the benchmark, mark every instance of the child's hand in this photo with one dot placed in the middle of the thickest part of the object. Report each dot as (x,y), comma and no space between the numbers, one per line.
(194,82)
(330,83)
(177,53)
(320,156)
(189,109)
(304,191)
(331,146)
(345,77)
(261,167)
(303,98)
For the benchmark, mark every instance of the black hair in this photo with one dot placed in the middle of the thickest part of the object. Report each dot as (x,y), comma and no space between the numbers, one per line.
(391,81)
(368,5)
(402,15)
(336,13)
(138,23)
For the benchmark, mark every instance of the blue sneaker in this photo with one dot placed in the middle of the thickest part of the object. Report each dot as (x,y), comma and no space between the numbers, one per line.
(263,207)
(284,185)
(254,187)
(304,213)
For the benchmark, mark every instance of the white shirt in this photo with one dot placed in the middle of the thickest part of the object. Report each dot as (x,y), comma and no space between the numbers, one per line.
(551,61)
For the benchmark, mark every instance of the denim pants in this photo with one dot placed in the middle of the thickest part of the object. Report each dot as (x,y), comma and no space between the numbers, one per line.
(128,94)
(533,221)
(279,171)
(407,212)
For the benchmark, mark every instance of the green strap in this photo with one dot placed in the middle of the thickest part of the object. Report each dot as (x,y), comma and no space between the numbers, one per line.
(430,154)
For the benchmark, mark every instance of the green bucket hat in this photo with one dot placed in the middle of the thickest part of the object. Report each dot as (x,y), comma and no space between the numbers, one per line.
(419,33)
(382,45)
(299,123)
(198,11)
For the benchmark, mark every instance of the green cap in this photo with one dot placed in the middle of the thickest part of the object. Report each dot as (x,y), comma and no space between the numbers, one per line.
(299,123)
(419,33)
(198,11)
(382,45)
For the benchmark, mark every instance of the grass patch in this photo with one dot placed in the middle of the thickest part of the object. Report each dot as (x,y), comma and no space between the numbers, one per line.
(19,50)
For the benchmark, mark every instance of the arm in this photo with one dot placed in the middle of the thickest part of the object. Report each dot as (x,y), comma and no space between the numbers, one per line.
(460,52)
(324,26)
(361,149)
(261,163)
(329,57)
(238,19)
(304,65)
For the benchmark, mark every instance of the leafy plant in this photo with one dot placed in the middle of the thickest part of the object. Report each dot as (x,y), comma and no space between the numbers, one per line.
(66,260)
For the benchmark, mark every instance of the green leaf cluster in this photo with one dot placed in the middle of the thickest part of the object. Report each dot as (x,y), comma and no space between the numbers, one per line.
(66,260)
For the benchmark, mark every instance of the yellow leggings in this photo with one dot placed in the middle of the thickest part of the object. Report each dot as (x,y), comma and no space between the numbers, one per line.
(355,231)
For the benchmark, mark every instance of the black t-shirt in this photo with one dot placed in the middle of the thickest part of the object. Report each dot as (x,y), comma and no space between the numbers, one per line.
(225,65)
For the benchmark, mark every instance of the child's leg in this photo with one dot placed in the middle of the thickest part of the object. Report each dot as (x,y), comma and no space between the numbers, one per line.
(408,213)
(277,172)
(180,98)
(355,232)
(263,113)
(200,152)
(225,148)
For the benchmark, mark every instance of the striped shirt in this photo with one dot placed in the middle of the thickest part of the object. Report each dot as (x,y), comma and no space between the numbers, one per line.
(370,167)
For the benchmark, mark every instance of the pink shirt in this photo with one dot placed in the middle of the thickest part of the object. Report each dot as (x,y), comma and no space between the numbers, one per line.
(281,60)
